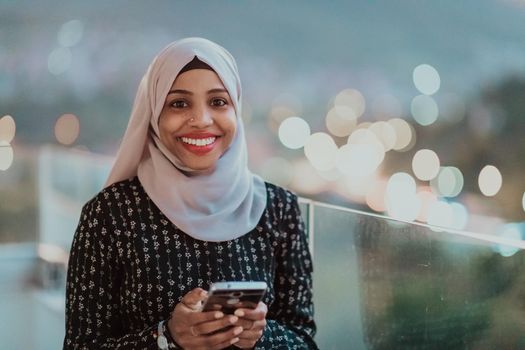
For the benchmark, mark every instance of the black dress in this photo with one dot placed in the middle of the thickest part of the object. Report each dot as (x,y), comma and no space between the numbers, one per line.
(129,266)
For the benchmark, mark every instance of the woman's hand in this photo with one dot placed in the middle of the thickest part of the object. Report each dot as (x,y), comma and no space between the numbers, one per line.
(192,329)
(253,323)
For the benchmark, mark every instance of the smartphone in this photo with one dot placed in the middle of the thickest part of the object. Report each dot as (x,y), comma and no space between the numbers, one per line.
(230,296)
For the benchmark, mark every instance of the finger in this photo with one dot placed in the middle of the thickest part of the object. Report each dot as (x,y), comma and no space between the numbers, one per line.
(225,344)
(194,297)
(212,341)
(213,326)
(196,318)
(244,323)
(254,315)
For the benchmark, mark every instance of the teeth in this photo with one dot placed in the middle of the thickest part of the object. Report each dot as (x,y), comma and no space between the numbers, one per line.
(198,142)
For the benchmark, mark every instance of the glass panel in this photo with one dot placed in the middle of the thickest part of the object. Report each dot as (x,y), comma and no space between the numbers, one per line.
(381,284)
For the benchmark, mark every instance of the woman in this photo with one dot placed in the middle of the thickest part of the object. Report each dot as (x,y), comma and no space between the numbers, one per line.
(180,211)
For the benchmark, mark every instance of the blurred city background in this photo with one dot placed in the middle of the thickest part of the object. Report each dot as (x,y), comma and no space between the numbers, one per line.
(414,110)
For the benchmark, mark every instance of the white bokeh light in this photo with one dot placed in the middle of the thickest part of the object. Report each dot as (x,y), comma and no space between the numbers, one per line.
(405,135)
(426,197)
(6,155)
(424,110)
(362,155)
(320,149)
(350,98)
(426,79)
(70,33)
(523,201)
(401,200)
(460,216)
(425,164)
(375,197)
(293,132)
(490,180)
(305,178)
(341,121)
(449,182)
(440,213)
(386,133)
(7,129)
(511,231)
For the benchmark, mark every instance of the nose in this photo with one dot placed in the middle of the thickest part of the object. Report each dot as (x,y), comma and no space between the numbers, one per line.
(201,118)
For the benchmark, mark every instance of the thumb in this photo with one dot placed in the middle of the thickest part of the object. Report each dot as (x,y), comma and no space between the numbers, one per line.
(194,297)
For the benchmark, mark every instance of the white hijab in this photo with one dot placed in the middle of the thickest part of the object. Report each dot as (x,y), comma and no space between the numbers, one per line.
(220,206)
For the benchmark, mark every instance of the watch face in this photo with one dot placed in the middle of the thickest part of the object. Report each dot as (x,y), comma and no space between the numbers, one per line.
(162,342)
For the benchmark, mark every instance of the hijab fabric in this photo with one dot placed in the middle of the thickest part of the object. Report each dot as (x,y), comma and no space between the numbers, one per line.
(222,205)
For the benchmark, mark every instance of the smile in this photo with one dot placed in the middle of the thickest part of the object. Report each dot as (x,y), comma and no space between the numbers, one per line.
(198,142)
(199,146)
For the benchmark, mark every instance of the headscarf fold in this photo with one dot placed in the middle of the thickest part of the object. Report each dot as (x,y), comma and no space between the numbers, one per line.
(222,205)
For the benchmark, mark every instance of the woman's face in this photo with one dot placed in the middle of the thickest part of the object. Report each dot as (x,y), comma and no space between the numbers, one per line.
(198,123)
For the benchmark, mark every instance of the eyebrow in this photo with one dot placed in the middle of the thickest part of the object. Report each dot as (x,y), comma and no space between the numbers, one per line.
(186,92)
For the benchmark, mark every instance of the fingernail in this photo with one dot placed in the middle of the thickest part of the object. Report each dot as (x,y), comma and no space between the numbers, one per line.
(219,315)
(234,340)
(237,330)
(234,319)
(239,313)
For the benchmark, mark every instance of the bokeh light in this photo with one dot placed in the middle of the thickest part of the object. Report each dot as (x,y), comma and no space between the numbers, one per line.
(362,155)
(449,182)
(426,196)
(341,121)
(386,133)
(401,200)
(490,180)
(426,79)
(7,129)
(277,115)
(511,231)
(6,155)
(70,33)
(355,187)
(293,132)
(425,164)
(305,178)
(424,110)
(330,175)
(440,213)
(523,201)
(59,60)
(320,149)
(405,135)
(375,197)
(350,98)
(67,129)
(460,216)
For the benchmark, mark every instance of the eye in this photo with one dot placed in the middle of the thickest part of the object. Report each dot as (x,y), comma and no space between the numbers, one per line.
(218,102)
(179,104)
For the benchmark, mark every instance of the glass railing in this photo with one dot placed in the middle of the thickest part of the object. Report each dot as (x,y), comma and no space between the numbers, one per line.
(384,284)
(378,283)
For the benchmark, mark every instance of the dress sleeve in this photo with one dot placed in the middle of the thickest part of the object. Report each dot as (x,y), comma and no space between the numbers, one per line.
(93,320)
(290,322)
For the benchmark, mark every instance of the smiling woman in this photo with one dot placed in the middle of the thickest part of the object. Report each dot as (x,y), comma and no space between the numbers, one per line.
(181,211)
